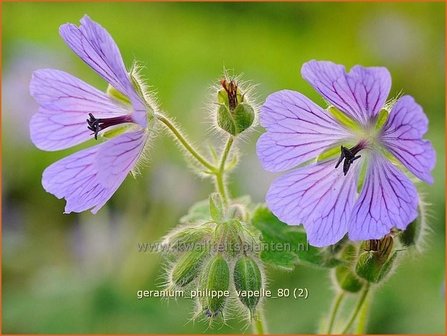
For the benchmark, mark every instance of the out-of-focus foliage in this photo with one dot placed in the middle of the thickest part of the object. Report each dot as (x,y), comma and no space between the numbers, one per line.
(80,273)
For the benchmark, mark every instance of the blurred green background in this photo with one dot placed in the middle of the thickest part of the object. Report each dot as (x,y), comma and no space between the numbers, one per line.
(80,273)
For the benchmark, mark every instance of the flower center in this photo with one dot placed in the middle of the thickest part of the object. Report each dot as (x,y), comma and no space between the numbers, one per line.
(97,125)
(348,155)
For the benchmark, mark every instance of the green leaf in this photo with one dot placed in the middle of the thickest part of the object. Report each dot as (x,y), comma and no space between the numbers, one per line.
(285,246)
(198,213)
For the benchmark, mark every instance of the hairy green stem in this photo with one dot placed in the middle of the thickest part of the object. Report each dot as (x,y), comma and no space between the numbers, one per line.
(363,317)
(220,175)
(185,143)
(259,324)
(357,309)
(335,306)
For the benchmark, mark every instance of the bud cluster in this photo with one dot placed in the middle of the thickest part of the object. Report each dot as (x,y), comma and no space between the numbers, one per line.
(208,258)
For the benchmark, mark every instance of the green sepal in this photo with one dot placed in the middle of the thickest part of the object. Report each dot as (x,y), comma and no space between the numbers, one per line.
(222,97)
(344,273)
(411,236)
(186,238)
(187,267)
(227,238)
(215,277)
(225,120)
(247,278)
(136,84)
(236,121)
(371,269)
(243,115)
(374,265)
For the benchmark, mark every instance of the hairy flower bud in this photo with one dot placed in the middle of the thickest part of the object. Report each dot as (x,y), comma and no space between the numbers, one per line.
(248,282)
(228,238)
(214,282)
(187,268)
(344,274)
(376,260)
(234,115)
(187,238)
(412,235)
(237,211)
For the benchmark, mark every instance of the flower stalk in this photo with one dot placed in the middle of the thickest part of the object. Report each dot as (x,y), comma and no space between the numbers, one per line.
(335,307)
(357,309)
(363,318)
(258,324)
(220,174)
(185,143)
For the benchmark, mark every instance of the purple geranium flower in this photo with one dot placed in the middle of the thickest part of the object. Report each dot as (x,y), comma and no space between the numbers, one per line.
(353,186)
(71,112)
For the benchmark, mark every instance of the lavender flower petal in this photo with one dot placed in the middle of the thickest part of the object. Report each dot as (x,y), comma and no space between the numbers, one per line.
(317,196)
(88,178)
(388,199)
(361,93)
(297,130)
(65,104)
(402,136)
(94,45)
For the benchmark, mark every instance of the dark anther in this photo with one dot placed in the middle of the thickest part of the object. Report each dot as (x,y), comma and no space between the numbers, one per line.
(231,89)
(97,125)
(93,125)
(349,156)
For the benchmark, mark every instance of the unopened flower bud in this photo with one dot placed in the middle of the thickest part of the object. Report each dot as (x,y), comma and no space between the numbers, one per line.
(215,283)
(248,282)
(344,274)
(187,238)
(376,260)
(187,267)
(228,238)
(414,231)
(237,211)
(234,115)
